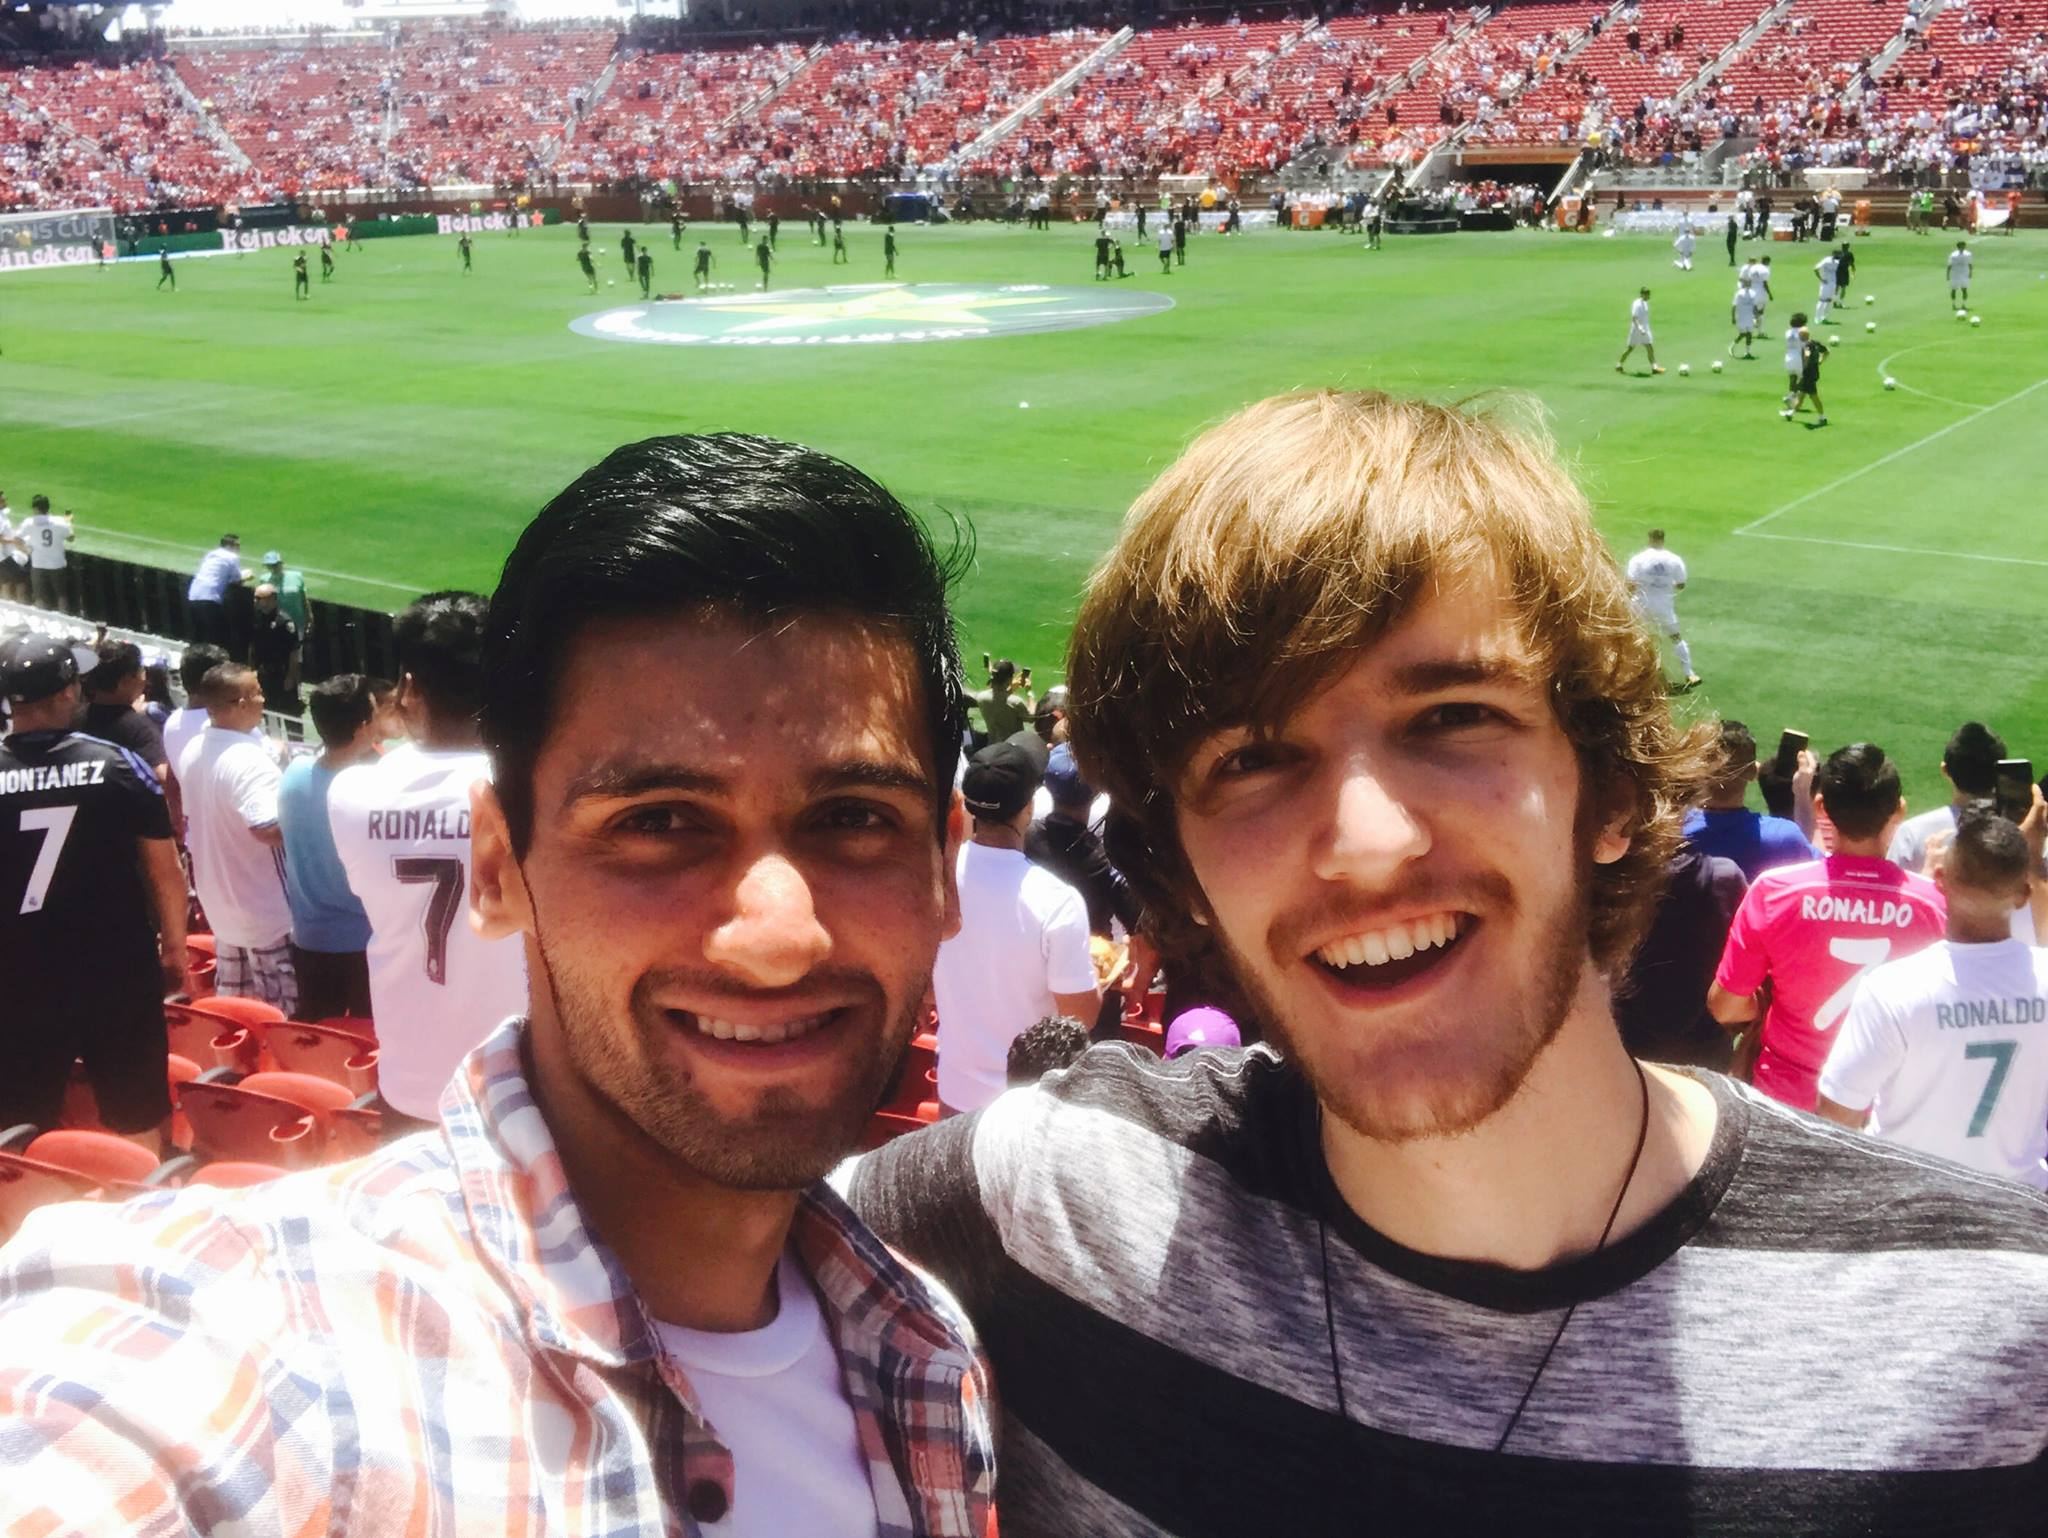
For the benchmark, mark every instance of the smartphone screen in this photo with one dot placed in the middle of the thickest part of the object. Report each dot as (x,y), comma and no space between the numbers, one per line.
(2015,787)
(1790,745)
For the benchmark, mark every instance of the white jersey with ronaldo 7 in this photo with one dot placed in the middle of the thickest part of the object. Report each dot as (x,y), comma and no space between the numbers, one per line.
(1948,1051)
(437,987)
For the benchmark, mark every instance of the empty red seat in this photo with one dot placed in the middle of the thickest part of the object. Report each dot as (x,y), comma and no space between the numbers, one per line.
(342,1057)
(101,1155)
(230,1122)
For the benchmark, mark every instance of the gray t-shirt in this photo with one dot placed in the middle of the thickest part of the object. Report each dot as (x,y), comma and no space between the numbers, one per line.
(1821,1334)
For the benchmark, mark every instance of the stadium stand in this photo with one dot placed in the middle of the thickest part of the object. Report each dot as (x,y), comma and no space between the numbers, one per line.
(310,119)
(664,110)
(488,106)
(1631,71)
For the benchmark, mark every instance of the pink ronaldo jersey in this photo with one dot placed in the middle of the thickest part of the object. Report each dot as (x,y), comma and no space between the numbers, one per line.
(1813,930)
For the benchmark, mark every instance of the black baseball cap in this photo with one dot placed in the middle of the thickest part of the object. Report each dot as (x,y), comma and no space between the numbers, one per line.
(1000,782)
(34,667)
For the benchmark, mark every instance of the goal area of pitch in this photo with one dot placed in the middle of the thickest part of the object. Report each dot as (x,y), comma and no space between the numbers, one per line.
(61,238)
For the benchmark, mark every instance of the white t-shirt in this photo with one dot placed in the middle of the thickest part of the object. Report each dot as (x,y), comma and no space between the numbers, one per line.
(1826,268)
(1745,310)
(1908,848)
(777,1399)
(1795,351)
(1023,938)
(437,987)
(11,552)
(230,781)
(1639,317)
(1948,1050)
(1958,275)
(46,536)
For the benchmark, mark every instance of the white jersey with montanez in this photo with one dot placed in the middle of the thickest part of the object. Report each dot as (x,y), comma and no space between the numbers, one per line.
(1948,1050)
(437,987)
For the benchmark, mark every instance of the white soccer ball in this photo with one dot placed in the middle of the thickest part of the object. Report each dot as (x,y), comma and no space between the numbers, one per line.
(1975,321)
(1870,299)
(1890,383)
(1962,315)
(1685,368)
(611,282)
(1870,325)
(1023,405)
(1717,365)
(1607,234)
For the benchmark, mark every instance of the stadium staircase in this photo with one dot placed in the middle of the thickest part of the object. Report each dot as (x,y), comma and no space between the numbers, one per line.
(208,123)
(1053,90)
(551,148)
(1436,159)
(748,110)
(1314,159)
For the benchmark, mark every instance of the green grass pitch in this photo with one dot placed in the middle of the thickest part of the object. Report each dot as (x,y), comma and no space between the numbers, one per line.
(1882,577)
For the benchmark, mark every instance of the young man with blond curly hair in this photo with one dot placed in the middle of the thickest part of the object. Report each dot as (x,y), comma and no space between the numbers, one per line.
(1378,719)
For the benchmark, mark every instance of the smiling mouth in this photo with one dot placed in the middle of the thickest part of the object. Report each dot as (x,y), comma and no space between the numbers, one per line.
(1389,956)
(768,1034)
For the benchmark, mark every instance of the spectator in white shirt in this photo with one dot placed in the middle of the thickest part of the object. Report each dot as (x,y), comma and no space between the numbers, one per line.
(1022,950)
(13,555)
(230,782)
(47,536)
(1970,765)
(207,598)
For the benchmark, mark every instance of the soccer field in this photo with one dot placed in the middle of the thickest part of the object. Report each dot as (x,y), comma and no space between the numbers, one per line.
(1880,577)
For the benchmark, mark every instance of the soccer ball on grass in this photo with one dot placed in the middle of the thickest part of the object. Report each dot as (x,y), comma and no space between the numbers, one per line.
(1890,383)
(1717,365)
(1975,321)
(1870,325)
(1684,369)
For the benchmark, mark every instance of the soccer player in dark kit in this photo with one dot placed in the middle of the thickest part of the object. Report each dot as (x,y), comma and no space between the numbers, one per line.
(164,274)
(326,262)
(1180,240)
(766,258)
(839,256)
(1101,253)
(774,231)
(462,248)
(675,230)
(302,282)
(589,267)
(643,268)
(702,271)
(626,244)
(888,253)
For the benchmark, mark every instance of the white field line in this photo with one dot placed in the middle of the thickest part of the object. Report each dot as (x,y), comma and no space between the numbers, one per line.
(1857,544)
(1877,464)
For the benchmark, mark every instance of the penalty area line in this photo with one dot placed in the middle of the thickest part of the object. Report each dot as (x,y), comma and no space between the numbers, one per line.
(1857,544)
(1860,471)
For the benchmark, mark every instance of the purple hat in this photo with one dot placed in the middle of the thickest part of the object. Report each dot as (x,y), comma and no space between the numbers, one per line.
(1200,1027)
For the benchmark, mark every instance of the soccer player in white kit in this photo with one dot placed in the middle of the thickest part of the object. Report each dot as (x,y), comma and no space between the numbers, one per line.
(1743,313)
(1683,246)
(1959,263)
(1946,1050)
(1639,334)
(1657,576)
(1795,361)
(1827,270)
(1756,276)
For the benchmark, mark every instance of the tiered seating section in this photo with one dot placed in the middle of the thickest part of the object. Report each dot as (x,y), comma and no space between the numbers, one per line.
(1639,62)
(443,106)
(84,135)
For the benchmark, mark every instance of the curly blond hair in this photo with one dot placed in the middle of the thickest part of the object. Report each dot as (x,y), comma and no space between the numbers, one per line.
(1297,532)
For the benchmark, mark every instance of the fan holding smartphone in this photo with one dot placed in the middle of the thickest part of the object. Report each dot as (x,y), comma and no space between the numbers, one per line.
(1972,764)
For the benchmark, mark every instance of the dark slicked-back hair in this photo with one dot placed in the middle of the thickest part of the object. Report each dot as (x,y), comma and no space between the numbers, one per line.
(1971,758)
(1861,788)
(1989,852)
(197,662)
(728,522)
(341,706)
(440,642)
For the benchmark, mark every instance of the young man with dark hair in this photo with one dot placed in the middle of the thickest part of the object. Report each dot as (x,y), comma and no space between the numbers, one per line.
(1947,1051)
(92,908)
(1021,952)
(401,828)
(228,777)
(1970,765)
(1813,930)
(1054,1042)
(111,690)
(608,1292)
(1722,825)
(1443,1258)
(330,930)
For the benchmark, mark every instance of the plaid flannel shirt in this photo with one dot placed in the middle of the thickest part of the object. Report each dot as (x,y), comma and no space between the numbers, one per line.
(427,1341)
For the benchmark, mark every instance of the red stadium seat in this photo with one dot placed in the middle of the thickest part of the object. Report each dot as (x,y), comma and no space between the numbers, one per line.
(347,1122)
(101,1155)
(230,1122)
(26,1184)
(341,1057)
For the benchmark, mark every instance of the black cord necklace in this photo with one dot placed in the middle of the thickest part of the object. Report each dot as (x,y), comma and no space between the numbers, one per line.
(1514,1420)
